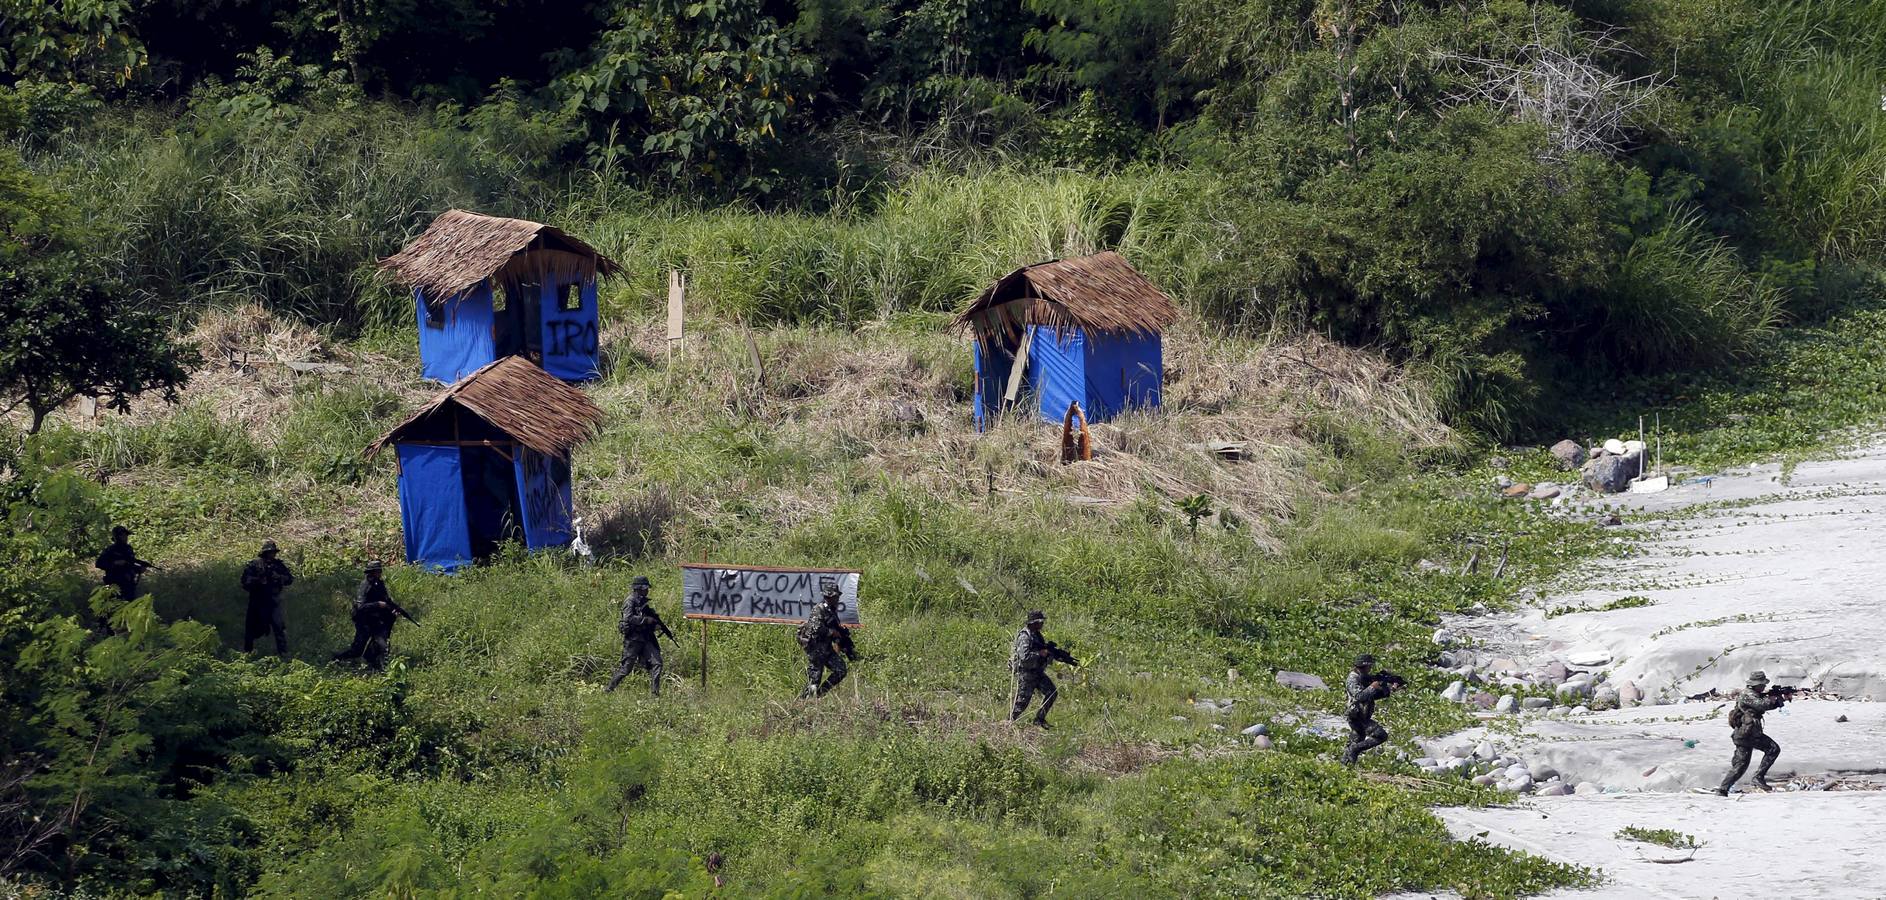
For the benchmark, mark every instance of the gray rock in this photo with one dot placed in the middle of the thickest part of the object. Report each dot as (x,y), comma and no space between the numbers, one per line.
(1508,704)
(1256,730)
(1217,727)
(1482,699)
(1542,772)
(1498,462)
(1519,785)
(1516,770)
(1426,762)
(1484,779)
(1554,790)
(1457,765)
(1544,492)
(1443,637)
(1581,710)
(1605,696)
(1609,474)
(1560,711)
(1535,703)
(1460,751)
(1502,482)
(1485,751)
(1555,672)
(1629,694)
(1590,657)
(1261,742)
(1446,659)
(1455,692)
(1574,689)
(1570,454)
(1302,681)
(1503,665)
(1586,787)
(1841,718)
(1206,706)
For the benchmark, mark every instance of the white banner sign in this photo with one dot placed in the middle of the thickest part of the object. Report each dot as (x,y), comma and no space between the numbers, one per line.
(763,593)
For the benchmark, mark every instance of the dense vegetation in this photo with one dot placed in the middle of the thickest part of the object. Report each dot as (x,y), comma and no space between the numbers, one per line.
(204,189)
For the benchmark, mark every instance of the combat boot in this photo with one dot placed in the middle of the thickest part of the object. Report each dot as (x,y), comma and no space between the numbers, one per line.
(1762,783)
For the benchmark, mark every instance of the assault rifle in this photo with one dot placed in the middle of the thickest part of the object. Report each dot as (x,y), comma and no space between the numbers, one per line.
(400,610)
(1786,693)
(1056,653)
(660,625)
(1395,682)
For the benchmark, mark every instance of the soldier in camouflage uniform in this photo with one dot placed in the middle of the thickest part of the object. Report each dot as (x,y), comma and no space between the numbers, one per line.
(1028,658)
(1363,687)
(824,637)
(639,647)
(374,613)
(264,578)
(1745,720)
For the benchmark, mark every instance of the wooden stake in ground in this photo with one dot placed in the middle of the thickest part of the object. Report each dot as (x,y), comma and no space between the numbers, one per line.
(703,654)
(677,293)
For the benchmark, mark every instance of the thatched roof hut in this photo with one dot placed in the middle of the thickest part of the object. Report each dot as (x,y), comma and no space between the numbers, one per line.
(460,249)
(512,396)
(1080,331)
(1098,294)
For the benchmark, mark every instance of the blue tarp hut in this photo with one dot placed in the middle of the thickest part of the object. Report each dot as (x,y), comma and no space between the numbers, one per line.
(1084,330)
(487,461)
(485,288)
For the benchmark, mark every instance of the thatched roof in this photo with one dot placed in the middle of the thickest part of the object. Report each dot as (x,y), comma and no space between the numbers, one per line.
(1100,294)
(460,249)
(516,397)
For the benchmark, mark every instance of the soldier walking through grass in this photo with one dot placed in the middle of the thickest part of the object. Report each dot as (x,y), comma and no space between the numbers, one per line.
(639,626)
(374,612)
(1364,687)
(1745,724)
(121,565)
(1028,659)
(264,578)
(825,638)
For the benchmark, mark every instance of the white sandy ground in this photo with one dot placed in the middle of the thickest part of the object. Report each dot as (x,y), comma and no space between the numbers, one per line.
(1786,575)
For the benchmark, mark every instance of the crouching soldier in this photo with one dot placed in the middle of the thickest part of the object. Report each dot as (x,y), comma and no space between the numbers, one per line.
(121,565)
(824,638)
(1745,723)
(264,578)
(1029,657)
(639,625)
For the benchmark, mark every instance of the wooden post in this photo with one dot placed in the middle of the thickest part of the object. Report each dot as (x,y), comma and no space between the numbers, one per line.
(677,298)
(704,654)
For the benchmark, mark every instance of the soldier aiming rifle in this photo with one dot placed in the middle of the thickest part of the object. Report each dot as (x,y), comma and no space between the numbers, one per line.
(121,564)
(639,625)
(1745,730)
(1029,658)
(1364,687)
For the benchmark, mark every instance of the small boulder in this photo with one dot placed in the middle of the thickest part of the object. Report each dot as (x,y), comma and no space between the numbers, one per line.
(1482,699)
(1498,462)
(1485,751)
(1258,730)
(1544,492)
(1508,704)
(1614,447)
(1443,637)
(1535,703)
(1581,710)
(1560,711)
(1589,657)
(1502,482)
(1556,672)
(1261,742)
(1206,706)
(1426,762)
(1455,692)
(1217,727)
(1841,718)
(1518,489)
(1180,719)
(1554,790)
(1569,453)
(1519,785)
(1503,665)
(1542,772)
(1574,689)
(1483,779)
(1460,751)
(1302,681)
(1608,474)
(1629,694)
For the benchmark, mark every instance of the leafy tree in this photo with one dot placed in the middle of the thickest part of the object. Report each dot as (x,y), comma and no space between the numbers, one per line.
(83,41)
(705,86)
(1116,46)
(65,332)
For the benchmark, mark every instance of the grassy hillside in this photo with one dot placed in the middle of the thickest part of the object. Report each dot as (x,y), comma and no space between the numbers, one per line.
(489,761)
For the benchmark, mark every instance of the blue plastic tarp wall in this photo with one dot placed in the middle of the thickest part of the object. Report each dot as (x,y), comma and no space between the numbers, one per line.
(1123,372)
(547,507)
(459,341)
(432,507)
(571,338)
(1106,375)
